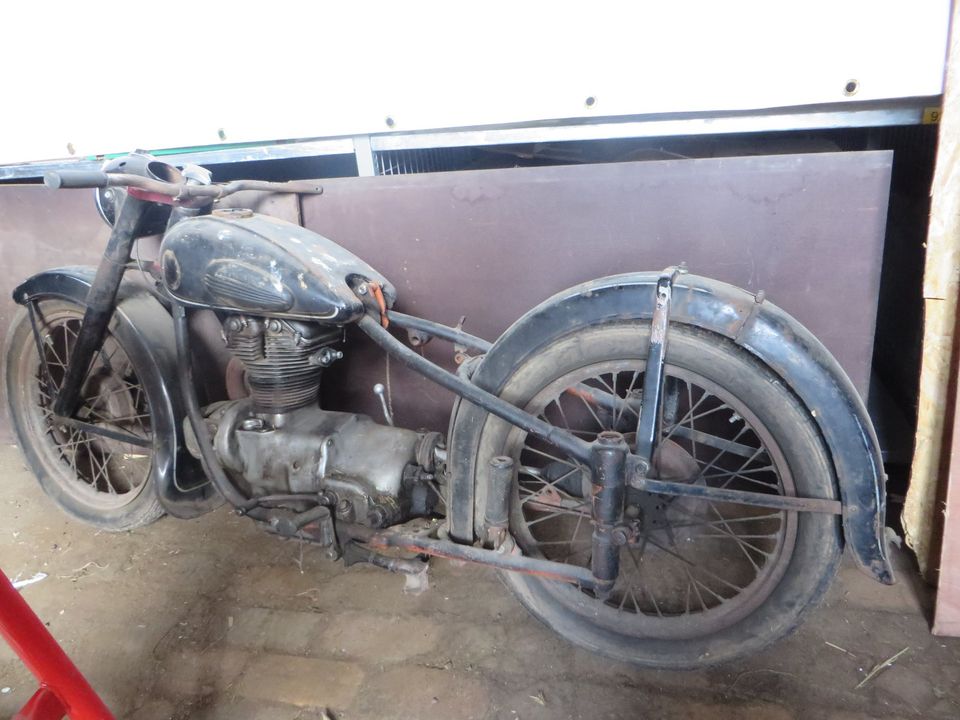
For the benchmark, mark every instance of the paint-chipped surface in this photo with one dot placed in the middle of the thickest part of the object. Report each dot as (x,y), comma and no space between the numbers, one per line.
(211,619)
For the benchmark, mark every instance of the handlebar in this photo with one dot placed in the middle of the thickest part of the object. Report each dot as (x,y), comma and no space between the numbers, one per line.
(56,179)
(76,179)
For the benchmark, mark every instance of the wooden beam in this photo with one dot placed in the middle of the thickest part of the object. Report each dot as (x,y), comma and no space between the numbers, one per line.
(941,282)
(946,618)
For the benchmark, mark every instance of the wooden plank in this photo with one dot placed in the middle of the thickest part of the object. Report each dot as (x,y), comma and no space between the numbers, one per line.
(940,289)
(943,288)
(946,619)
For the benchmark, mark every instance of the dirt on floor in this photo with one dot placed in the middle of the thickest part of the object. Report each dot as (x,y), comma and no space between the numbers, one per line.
(211,618)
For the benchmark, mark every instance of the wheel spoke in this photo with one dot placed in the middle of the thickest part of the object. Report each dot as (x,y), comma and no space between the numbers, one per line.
(625,405)
(554,458)
(558,513)
(114,406)
(548,485)
(579,394)
(681,562)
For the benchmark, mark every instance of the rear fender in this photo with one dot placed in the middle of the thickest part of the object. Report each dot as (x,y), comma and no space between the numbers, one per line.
(147,325)
(767,332)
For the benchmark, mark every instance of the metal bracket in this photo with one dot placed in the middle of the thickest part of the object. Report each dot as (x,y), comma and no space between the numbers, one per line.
(740,497)
(103,431)
(649,422)
(648,425)
(38,341)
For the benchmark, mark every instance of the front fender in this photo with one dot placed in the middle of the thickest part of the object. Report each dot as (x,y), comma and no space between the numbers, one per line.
(774,337)
(147,329)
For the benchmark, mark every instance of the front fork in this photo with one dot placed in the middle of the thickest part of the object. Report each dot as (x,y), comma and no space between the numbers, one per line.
(100,304)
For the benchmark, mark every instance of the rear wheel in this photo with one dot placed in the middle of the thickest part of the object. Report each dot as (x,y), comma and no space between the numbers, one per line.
(102,481)
(700,582)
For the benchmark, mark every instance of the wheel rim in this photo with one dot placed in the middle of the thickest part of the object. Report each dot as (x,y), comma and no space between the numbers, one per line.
(692,567)
(101,472)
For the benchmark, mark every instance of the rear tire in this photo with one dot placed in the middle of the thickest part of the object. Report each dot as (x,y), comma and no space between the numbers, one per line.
(792,571)
(105,483)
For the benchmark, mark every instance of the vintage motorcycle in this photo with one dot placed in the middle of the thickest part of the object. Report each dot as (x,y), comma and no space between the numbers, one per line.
(664,467)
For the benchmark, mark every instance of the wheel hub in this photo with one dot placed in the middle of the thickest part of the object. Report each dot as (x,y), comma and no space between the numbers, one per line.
(646,512)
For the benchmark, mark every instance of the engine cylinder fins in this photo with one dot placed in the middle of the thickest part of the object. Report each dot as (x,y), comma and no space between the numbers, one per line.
(281,358)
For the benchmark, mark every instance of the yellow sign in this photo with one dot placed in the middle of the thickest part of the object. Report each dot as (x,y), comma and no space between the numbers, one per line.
(931,116)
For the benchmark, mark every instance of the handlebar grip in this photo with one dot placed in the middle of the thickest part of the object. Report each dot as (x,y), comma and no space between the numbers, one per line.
(56,179)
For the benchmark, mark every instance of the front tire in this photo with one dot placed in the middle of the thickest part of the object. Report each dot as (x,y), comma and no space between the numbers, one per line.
(103,482)
(700,582)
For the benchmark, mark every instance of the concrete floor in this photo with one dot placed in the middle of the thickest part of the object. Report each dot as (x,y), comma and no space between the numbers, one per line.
(212,619)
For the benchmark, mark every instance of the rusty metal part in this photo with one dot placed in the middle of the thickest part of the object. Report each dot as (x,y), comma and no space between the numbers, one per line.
(318,519)
(496,516)
(377,293)
(428,329)
(568,443)
(762,329)
(177,191)
(608,490)
(740,497)
(506,558)
(418,338)
(426,450)
(648,424)
(571,445)
(354,553)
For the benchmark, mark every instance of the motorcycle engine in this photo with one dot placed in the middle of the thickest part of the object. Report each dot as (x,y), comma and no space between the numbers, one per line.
(280,441)
(283,359)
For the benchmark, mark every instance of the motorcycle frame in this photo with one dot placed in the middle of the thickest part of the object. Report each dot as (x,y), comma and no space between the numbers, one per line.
(612,465)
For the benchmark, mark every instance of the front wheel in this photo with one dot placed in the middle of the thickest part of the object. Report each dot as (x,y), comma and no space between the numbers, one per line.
(700,582)
(102,481)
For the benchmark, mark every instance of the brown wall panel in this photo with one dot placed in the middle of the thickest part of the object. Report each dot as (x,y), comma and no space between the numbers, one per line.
(490,244)
(807,229)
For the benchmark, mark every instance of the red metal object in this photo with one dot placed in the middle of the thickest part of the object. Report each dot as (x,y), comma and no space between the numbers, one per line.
(44,705)
(148,196)
(63,689)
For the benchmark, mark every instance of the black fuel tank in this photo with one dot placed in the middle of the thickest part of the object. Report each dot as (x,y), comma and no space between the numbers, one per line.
(240,260)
